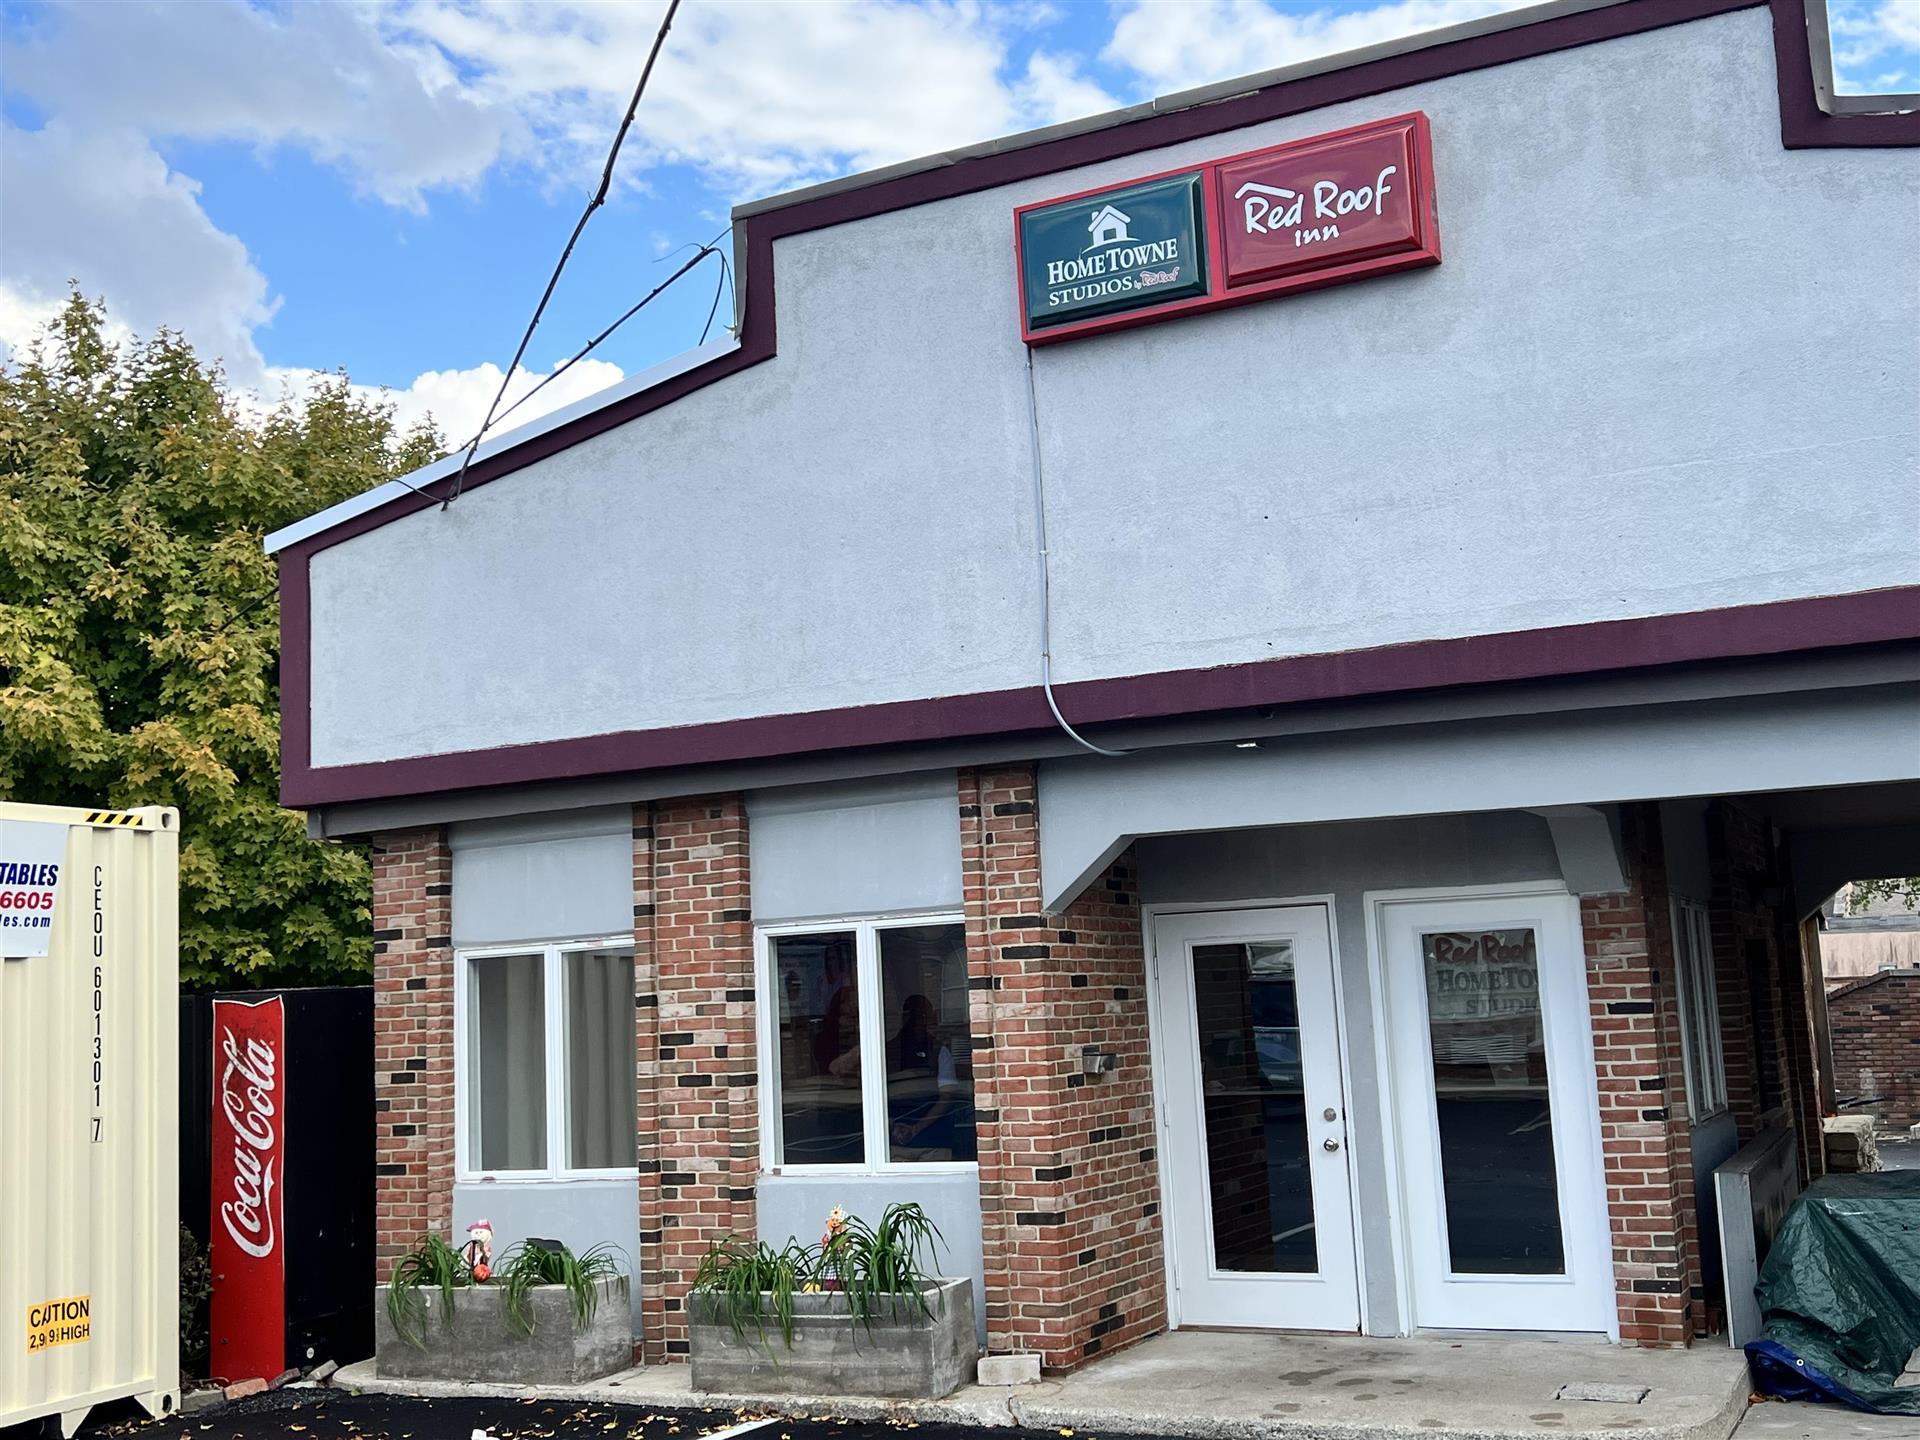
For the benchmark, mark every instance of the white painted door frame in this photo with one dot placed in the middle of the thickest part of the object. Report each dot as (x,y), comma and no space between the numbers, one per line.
(1199,1293)
(1431,1296)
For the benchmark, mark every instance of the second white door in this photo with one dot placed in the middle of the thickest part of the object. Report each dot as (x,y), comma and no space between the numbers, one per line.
(1260,1211)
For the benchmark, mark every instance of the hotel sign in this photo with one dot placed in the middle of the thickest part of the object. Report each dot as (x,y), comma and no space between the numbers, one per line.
(1299,216)
(1117,251)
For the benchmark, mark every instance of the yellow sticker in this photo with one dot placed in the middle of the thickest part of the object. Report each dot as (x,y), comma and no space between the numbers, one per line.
(59,1322)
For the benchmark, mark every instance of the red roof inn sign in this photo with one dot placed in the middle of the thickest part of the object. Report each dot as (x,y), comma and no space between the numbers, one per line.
(1299,216)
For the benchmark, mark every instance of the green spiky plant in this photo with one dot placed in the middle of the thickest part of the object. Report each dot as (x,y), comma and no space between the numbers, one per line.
(432,1264)
(879,1264)
(530,1263)
(873,1266)
(749,1279)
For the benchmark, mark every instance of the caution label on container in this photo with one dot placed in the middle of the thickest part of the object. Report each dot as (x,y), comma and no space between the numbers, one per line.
(59,1322)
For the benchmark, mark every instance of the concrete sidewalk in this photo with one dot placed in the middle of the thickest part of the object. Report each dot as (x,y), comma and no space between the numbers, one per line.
(1218,1386)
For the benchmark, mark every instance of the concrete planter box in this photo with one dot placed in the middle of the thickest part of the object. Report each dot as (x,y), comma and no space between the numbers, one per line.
(479,1344)
(902,1355)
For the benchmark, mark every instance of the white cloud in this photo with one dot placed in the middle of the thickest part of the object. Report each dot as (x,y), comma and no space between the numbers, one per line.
(456,400)
(1876,46)
(759,95)
(1195,42)
(101,207)
(329,79)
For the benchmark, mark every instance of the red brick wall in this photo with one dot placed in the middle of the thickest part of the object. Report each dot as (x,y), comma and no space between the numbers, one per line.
(1068,1176)
(701,1157)
(1644,1132)
(412,1039)
(1875,1024)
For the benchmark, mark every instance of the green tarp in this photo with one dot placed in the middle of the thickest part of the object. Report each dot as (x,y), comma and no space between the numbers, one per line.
(1840,1289)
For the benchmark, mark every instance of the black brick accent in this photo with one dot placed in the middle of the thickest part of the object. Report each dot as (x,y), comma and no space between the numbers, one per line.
(1079,982)
(386,934)
(389,1169)
(740,995)
(440,942)
(401,1077)
(1087,1257)
(643,832)
(440,889)
(641,912)
(983,982)
(1027,952)
(417,982)
(646,1002)
(405,1130)
(740,1079)
(1040,1217)
(1014,807)
(694,1082)
(732,915)
(676,1037)
(1659,1113)
(743,1193)
(1068,937)
(416,1064)
(1020,922)
(1629,1007)
(1658,1287)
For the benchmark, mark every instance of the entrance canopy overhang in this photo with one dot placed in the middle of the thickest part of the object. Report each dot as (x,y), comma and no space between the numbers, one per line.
(1823,725)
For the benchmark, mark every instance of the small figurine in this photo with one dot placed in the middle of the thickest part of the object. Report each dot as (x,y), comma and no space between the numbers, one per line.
(478,1251)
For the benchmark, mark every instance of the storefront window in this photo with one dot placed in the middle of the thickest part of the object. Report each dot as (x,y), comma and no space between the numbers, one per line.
(822,1120)
(546,1045)
(872,1059)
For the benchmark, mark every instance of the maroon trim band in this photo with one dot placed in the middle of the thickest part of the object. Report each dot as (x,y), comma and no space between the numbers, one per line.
(1870,617)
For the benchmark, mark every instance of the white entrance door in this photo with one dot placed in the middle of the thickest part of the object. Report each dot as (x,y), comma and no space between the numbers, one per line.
(1259,1207)
(1495,1113)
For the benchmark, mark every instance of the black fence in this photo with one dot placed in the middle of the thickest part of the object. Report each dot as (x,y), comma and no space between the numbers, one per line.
(327,1182)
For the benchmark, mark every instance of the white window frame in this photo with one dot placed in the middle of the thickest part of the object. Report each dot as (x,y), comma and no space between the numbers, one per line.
(873,1044)
(556,1045)
(1701,1047)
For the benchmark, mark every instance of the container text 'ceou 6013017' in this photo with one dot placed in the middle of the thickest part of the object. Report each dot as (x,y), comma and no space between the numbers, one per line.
(89,1115)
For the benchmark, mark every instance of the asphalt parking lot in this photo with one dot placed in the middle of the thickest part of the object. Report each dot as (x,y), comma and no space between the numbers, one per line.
(339,1415)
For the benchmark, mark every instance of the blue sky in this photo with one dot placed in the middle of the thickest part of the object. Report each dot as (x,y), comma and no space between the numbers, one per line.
(382,185)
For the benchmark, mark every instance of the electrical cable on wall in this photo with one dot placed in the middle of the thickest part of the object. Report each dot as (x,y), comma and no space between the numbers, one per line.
(1046,575)
(599,199)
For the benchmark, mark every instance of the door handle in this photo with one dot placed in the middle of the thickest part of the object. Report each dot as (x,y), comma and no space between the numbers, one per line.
(1329,1144)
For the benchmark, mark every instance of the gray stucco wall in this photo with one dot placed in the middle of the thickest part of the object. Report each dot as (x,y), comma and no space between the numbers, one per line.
(862,848)
(582,1213)
(794,1206)
(1662,354)
(1346,861)
(556,876)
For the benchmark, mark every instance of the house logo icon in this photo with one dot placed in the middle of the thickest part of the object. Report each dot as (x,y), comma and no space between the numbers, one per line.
(1108,227)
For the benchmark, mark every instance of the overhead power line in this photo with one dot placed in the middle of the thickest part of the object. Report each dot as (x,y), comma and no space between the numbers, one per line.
(599,199)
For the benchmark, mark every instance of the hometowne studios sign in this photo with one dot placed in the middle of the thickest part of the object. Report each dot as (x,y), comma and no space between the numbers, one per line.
(1299,216)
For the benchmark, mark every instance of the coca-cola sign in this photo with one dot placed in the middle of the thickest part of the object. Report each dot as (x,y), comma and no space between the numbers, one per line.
(249,1105)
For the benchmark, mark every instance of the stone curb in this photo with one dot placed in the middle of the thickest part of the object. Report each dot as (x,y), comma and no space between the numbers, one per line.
(1038,1407)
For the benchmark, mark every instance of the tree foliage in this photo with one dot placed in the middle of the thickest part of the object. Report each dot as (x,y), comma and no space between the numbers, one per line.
(139,625)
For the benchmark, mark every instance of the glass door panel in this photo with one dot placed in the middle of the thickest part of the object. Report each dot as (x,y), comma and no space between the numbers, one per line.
(1494,1106)
(1247,1011)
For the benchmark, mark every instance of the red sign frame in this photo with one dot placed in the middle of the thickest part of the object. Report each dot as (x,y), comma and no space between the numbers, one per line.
(1416,245)
(247,1317)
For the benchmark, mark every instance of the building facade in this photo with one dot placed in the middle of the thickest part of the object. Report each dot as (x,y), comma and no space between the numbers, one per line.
(1248,700)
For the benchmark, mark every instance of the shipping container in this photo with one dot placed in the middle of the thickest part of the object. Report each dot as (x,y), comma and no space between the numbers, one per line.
(89,1114)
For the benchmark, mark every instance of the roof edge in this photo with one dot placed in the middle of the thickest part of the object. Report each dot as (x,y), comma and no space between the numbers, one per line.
(504,440)
(1209,94)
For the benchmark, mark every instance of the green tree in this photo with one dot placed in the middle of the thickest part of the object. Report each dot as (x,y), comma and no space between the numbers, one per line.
(139,625)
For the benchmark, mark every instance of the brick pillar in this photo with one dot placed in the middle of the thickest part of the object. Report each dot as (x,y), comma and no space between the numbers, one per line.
(412,1039)
(705,1097)
(1646,1151)
(1068,1176)
(648,1271)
